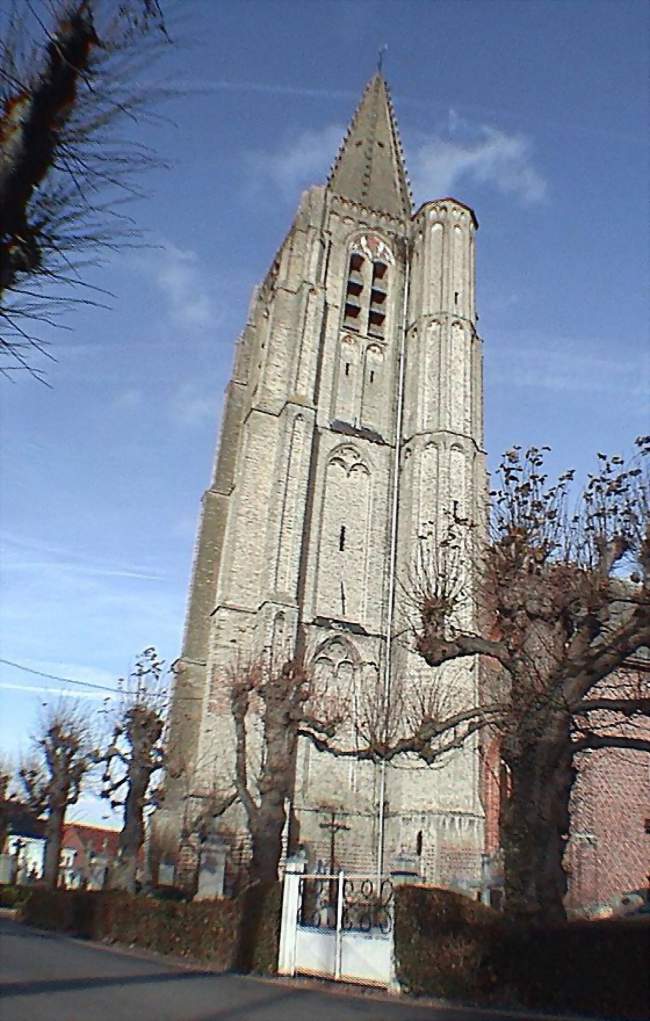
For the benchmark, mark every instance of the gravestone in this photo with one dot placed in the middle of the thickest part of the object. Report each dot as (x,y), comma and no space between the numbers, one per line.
(7,868)
(405,868)
(165,874)
(212,868)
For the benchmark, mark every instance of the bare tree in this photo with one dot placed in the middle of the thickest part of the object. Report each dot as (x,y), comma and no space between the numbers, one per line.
(563,604)
(275,703)
(53,778)
(560,608)
(64,171)
(7,776)
(134,759)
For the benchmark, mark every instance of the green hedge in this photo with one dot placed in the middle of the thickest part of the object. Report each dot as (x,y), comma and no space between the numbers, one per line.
(218,931)
(450,946)
(13,896)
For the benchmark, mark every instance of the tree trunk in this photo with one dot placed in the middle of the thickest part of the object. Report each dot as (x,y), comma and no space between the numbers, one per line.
(266,836)
(53,839)
(535,823)
(123,874)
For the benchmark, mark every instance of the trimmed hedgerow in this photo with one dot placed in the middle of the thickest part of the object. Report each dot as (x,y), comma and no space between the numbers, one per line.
(448,945)
(12,896)
(261,907)
(220,932)
(443,943)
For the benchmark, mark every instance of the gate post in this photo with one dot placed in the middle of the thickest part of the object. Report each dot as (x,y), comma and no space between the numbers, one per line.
(339,925)
(289,917)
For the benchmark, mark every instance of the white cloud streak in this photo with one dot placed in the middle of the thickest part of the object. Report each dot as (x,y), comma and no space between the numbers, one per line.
(182,282)
(299,163)
(193,404)
(18,555)
(482,154)
(59,692)
(565,365)
(463,153)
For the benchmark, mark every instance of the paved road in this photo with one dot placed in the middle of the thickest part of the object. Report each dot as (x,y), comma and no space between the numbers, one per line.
(48,977)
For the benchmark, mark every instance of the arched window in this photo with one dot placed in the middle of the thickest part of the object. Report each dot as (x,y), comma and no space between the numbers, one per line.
(345,397)
(366,289)
(354,297)
(378,296)
(344,536)
(373,403)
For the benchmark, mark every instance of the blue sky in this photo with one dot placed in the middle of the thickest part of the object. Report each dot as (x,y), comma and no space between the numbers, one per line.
(535,113)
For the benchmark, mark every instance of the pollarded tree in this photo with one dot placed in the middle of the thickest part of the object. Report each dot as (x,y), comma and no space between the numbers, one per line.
(273,704)
(134,759)
(64,171)
(563,604)
(53,778)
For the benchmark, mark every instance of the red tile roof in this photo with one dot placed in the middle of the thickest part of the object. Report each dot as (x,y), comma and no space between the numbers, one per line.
(95,839)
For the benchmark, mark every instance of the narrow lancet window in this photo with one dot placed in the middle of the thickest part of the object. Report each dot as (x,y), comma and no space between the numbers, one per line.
(354,293)
(378,295)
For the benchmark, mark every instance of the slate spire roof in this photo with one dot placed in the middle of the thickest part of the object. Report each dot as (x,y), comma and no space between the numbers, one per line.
(369,167)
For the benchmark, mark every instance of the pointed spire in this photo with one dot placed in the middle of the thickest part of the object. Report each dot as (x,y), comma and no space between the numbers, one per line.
(370,167)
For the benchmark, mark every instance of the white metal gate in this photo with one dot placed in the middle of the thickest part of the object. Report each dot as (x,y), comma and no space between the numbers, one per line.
(337,926)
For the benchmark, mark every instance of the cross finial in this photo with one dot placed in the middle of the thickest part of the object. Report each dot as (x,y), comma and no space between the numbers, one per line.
(380,57)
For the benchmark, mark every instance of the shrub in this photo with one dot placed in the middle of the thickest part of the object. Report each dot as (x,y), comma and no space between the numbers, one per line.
(443,943)
(261,906)
(447,945)
(13,896)
(175,893)
(230,934)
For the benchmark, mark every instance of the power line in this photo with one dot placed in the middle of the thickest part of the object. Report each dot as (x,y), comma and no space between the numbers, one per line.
(63,680)
(95,687)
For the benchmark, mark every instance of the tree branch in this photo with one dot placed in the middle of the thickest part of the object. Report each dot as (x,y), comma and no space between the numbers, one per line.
(581,674)
(625,706)
(436,651)
(594,741)
(239,702)
(418,743)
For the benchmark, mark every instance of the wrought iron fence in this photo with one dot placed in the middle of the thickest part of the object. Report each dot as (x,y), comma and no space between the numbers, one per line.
(350,903)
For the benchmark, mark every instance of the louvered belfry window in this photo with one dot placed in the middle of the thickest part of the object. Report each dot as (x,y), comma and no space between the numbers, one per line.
(354,296)
(378,294)
(366,296)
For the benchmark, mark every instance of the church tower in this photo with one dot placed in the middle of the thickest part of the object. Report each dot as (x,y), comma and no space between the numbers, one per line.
(352,429)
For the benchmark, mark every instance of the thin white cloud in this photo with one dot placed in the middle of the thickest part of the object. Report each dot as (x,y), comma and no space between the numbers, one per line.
(24,554)
(182,282)
(565,365)
(297,164)
(439,164)
(480,153)
(209,85)
(130,399)
(193,404)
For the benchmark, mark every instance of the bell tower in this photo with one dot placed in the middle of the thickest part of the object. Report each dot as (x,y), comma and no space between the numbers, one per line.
(352,424)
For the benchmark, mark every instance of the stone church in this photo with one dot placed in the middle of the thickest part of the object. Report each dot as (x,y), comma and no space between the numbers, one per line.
(352,427)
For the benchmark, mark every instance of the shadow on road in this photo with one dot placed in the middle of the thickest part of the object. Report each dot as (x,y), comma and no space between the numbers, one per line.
(229,1013)
(8,989)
